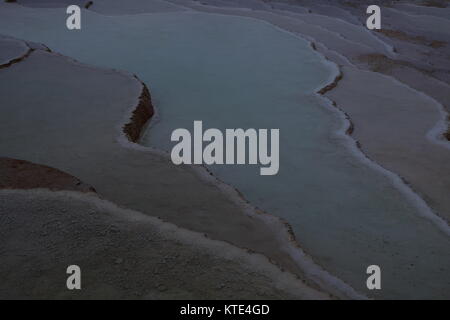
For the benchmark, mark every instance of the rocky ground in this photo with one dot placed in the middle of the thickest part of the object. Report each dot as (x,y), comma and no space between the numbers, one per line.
(123,255)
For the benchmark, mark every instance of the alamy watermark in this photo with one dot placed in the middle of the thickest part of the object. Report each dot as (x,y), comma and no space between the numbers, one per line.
(374,280)
(374,20)
(73,22)
(73,282)
(236,146)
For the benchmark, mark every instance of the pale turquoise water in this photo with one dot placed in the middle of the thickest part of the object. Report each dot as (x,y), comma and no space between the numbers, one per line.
(233,72)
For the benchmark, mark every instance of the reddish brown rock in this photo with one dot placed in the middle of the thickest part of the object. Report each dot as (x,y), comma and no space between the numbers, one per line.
(141,115)
(19,174)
